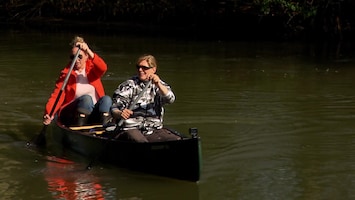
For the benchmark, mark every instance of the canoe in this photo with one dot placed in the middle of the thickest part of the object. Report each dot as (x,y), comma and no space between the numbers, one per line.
(180,159)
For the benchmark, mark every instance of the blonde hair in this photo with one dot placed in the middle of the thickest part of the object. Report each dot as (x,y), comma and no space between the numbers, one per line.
(150,60)
(75,40)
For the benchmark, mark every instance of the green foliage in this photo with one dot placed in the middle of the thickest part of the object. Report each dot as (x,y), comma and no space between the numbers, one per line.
(288,9)
(292,15)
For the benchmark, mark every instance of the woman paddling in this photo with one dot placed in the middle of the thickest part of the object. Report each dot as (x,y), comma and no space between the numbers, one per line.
(143,123)
(83,100)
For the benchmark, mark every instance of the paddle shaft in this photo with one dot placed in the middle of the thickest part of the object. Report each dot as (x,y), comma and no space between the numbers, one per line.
(65,82)
(41,140)
(135,101)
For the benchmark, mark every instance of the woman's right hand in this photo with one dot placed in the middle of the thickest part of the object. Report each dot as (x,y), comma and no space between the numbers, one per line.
(126,113)
(47,119)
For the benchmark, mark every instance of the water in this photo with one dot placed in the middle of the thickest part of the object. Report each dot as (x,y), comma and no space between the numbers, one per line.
(276,122)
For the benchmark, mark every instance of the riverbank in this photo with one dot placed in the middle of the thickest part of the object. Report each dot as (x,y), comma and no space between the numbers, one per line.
(207,31)
(236,30)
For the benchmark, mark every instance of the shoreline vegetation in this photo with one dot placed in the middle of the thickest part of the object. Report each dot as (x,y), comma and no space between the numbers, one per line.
(321,21)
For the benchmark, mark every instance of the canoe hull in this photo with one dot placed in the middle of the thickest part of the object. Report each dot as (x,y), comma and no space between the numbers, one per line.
(179,159)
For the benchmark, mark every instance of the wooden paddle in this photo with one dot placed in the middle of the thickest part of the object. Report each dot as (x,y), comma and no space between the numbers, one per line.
(40,140)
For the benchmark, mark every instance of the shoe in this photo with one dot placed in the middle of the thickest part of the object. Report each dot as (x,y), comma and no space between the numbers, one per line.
(105,118)
(82,119)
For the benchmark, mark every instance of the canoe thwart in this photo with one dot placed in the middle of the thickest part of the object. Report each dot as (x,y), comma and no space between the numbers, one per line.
(78,128)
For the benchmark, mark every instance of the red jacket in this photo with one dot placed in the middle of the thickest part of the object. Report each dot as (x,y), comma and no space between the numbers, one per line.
(95,69)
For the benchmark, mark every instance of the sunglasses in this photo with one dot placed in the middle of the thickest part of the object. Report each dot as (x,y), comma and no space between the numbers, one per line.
(143,67)
(79,56)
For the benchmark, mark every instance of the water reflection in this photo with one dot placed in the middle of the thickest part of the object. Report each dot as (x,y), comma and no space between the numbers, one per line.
(66,181)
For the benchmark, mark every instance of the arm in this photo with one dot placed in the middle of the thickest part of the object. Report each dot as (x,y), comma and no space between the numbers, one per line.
(121,98)
(164,89)
(99,65)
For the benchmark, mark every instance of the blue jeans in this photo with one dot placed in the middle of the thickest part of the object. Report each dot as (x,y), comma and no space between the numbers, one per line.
(85,105)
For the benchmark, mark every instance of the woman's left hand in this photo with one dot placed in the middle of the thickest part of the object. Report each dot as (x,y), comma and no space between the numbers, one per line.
(155,78)
(84,47)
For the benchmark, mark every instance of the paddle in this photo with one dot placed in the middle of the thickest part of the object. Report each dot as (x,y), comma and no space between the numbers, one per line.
(40,140)
(135,102)
(118,127)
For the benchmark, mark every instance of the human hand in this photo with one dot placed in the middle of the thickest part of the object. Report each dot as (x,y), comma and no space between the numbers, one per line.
(47,119)
(126,113)
(154,78)
(84,47)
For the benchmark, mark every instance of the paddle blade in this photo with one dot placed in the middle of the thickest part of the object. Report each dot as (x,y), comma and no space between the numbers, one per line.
(40,140)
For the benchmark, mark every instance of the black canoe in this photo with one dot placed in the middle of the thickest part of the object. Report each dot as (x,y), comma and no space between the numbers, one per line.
(179,159)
